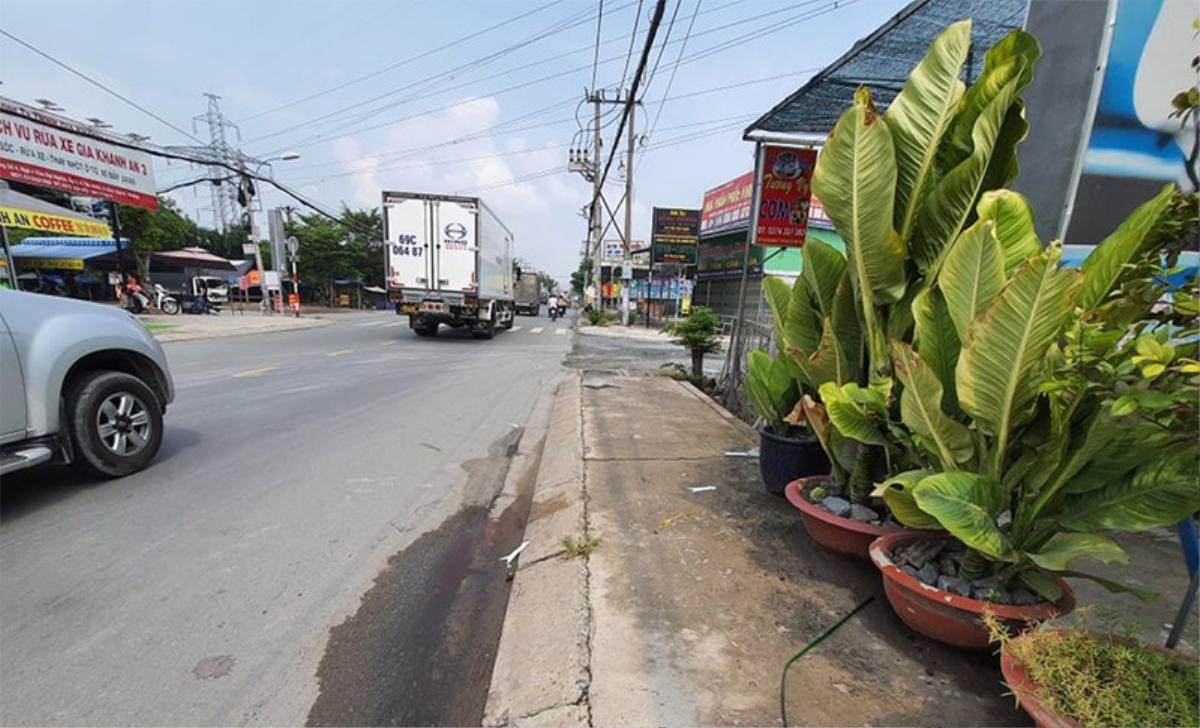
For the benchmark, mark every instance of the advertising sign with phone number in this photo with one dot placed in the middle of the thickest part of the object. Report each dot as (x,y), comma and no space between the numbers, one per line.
(785,192)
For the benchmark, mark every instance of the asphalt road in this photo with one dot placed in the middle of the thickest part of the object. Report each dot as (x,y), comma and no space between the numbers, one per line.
(300,474)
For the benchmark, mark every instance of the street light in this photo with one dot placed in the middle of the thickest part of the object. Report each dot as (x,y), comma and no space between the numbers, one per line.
(289,156)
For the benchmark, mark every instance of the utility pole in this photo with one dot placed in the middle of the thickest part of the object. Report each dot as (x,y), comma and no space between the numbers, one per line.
(627,262)
(597,228)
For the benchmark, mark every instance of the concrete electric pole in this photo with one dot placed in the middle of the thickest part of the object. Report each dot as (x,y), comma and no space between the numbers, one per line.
(627,262)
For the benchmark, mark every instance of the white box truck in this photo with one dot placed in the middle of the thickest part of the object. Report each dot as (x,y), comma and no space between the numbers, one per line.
(449,260)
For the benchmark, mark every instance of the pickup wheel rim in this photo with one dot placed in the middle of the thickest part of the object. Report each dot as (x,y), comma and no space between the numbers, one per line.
(123,423)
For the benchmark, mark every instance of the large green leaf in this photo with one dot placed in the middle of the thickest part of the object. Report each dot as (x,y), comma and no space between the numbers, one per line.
(952,199)
(771,388)
(1004,165)
(849,417)
(1014,225)
(1114,462)
(1162,493)
(855,178)
(802,321)
(936,341)
(921,411)
(1148,597)
(823,268)
(967,504)
(896,491)
(1064,548)
(846,327)
(777,294)
(1088,434)
(1011,59)
(919,116)
(972,274)
(1041,583)
(1003,360)
(1105,263)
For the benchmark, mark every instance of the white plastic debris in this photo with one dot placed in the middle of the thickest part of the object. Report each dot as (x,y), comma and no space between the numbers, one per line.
(510,561)
(702,488)
(751,453)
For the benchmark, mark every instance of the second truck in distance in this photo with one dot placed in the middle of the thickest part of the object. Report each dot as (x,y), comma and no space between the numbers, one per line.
(449,260)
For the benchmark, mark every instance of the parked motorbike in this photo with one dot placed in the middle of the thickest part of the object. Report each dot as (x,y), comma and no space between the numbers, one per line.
(165,302)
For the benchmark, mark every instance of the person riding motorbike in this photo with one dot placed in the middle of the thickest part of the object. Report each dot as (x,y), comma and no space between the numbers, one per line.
(552,306)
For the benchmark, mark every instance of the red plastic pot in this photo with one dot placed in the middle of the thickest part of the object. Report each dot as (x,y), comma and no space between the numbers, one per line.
(835,533)
(1027,691)
(947,617)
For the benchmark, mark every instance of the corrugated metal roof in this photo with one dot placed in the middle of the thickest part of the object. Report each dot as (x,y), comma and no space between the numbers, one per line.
(66,248)
(884,59)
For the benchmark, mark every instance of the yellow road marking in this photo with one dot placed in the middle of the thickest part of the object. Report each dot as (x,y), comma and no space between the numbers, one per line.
(339,352)
(252,372)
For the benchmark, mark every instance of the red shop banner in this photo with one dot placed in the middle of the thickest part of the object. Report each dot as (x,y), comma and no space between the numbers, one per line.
(784,195)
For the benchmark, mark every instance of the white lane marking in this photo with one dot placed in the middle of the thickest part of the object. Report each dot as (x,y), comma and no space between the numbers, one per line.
(560,331)
(373,323)
(536,330)
(515,328)
(396,323)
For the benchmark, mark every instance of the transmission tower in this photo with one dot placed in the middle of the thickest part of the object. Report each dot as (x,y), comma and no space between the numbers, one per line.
(224,196)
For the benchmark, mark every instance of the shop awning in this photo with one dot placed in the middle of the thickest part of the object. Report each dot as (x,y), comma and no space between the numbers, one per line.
(194,257)
(63,253)
(20,210)
(883,61)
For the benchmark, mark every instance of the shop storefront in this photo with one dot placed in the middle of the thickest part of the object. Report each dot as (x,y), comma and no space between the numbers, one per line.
(724,232)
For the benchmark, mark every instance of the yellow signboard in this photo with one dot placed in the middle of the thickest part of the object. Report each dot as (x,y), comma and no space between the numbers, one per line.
(47,222)
(53,263)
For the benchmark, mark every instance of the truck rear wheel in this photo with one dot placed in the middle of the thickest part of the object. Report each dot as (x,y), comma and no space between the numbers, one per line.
(430,329)
(486,331)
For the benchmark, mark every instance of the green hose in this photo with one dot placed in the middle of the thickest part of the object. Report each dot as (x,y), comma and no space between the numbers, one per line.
(803,652)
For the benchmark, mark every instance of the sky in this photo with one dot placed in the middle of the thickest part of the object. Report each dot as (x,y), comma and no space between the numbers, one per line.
(428,96)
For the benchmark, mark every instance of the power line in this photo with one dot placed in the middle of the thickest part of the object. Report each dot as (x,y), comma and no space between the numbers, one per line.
(559,27)
(674,68)
(404,62)
(632,38)
(720,47)
(596,56)
(99,85)
(663,47)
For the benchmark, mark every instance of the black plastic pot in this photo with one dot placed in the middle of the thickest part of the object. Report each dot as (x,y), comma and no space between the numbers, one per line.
(783,459)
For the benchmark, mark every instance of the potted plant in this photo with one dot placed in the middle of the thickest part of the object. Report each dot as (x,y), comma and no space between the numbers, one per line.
(787,450)
(1066,421)
(1068,677)
(899,188)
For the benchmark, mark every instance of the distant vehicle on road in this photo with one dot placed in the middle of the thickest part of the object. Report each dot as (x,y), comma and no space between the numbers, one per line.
(529,294)
(79,383)
(449,260)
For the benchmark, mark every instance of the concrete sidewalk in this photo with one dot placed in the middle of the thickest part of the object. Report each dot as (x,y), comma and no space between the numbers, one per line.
(694,601)
(189,328)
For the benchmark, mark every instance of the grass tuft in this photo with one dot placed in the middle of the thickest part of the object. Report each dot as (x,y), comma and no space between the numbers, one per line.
(573,549)
(1102,683)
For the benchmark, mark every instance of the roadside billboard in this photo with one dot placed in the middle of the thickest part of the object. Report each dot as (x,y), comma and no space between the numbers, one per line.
(49,151)
(1136,145)
(721,257)
(614,252)
(785,187)
(674,236)
(727,207)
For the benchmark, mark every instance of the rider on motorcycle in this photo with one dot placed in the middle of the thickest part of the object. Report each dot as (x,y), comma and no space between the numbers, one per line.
(552,305)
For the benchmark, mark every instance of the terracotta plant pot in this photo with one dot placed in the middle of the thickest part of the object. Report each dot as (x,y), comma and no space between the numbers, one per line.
(947,617)
(783,459)
(1026,690)
(835,533)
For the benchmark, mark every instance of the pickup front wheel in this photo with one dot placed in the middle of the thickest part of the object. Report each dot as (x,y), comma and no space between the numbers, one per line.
(115,422)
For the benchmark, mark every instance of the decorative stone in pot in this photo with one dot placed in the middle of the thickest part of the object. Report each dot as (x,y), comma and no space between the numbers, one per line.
(835,523)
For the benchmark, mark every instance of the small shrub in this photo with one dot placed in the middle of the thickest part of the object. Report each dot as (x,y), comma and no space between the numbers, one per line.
(1104,683)
(597,317)
(698,333)
(573,549)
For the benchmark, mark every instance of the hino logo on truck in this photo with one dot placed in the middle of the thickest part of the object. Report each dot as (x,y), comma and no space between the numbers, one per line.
(456,231)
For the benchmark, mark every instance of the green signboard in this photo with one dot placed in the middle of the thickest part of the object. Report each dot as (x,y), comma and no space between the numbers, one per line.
(721,256)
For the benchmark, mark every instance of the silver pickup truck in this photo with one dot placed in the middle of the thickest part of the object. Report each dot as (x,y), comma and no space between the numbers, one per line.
(79,383)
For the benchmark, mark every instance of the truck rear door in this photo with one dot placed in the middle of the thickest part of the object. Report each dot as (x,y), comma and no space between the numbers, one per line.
(454,231)
(409,258)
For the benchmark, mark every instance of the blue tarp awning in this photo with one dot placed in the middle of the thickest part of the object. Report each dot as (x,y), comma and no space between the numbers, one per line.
(66,248)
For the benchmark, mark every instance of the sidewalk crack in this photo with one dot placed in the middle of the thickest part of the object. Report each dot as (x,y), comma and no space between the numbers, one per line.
(587,579)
